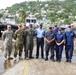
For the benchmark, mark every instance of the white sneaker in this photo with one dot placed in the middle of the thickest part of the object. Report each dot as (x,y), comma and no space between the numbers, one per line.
(5,59)
(14,59)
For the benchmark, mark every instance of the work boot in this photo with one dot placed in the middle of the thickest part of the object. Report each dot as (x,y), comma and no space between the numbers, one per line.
(42,57)
(9,58)
(67,60)
(70,60)
(37,57)
(20,58)
(56,59)
(46,59)
(53,59)
(31,57)
(59,60)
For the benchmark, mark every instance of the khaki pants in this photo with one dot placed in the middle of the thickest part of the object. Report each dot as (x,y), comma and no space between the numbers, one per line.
(7,50)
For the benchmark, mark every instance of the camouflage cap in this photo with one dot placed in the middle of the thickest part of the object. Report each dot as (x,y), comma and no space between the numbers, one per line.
(20,25)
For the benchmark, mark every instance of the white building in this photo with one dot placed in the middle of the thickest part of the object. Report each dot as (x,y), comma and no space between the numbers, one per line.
(10,19)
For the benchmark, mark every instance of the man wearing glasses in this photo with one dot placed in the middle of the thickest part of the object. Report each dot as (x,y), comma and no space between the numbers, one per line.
(7,37)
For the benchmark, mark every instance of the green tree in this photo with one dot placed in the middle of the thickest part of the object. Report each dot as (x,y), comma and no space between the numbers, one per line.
(1,15)
(22,15)
(68,21)
(38,16)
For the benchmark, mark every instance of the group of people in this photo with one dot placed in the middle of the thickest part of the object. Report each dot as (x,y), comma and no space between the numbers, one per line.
(54,40)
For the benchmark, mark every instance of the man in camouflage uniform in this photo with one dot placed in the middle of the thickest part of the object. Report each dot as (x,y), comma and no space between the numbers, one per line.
(18,36)
(29,41)
(7,37)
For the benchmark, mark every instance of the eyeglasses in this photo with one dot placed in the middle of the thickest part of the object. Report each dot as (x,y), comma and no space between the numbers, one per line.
(9,27)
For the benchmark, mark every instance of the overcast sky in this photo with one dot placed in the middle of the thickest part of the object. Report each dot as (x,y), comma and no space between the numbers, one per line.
(7,3)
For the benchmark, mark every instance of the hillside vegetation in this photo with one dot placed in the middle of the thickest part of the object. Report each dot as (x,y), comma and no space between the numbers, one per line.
(53,10)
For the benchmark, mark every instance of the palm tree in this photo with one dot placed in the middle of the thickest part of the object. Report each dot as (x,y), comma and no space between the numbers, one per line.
(23,15)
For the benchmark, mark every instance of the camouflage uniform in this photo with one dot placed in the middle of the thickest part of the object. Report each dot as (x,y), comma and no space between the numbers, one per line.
(29,41)
(18,36)
(7,37)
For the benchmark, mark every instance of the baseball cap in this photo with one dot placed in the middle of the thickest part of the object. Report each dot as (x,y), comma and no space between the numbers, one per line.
(41,24)
(59,29)
(69,26)
(50,27)
(30,25)
(55,25)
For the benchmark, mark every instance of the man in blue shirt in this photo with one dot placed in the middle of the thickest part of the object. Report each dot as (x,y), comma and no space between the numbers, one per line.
(59,44)
(55,30)
(40,33)
(69,37)
(49,38)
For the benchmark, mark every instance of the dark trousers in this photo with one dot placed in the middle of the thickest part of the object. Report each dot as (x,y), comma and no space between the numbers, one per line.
(40,42)
(59,50)
(69,51)
(25,50)
(29,51)
(51,48)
